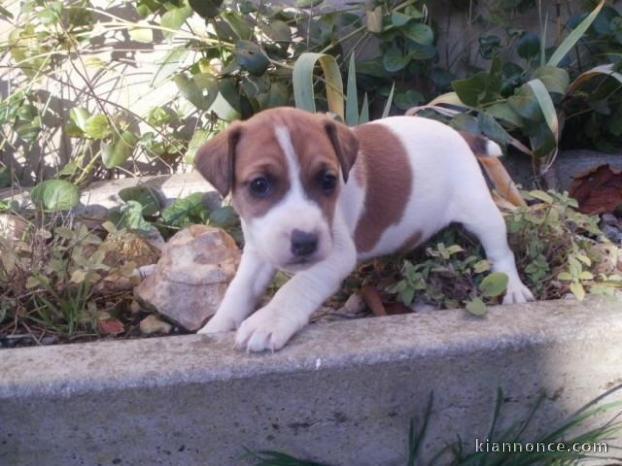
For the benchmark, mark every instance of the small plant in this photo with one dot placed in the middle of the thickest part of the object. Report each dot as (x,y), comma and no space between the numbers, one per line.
(58,277)
(457,454)
(558,250)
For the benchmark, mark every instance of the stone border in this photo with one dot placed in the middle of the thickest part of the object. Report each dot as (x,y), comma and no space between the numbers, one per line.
(341,392)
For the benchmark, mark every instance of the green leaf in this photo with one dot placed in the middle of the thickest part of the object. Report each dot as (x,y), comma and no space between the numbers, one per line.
(119,150)
(303,77)
(577,289)
(494,284)
(420,33)
(169,64)
(191,91)
(503,111)
(556,80)
(471,90)
(223,217)
(547,106)
(394,60)
(199,138)
(399,19)
(175,18)
(541,196)
(143,35)
(387,105)
(565,277)
(279,31)
(206,8)
(571,40)
(492,130)
(364,116)
(191,209)
(55,195)
(528,46)
(79,116)
(477,307)
(352,105)
(97,127)
(251,57)
(147,197)
(131,217)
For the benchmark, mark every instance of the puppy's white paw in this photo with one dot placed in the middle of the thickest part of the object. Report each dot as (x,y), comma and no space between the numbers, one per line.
(517,293)
(266,329)
(218,324)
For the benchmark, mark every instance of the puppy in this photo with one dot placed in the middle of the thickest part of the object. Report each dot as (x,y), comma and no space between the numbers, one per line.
(316,197)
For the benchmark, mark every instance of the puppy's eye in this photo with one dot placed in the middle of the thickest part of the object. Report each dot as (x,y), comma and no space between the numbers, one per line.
(328,182)
(260,187)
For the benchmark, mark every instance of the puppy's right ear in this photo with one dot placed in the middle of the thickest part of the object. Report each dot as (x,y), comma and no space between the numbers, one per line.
(215,160)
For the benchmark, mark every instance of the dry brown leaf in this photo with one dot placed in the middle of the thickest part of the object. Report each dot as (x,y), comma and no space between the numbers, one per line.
(599,190)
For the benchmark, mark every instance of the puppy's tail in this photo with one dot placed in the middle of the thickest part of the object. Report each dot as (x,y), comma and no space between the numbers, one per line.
(488,153)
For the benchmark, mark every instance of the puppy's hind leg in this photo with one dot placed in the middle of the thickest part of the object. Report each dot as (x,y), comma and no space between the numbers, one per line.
(482,218)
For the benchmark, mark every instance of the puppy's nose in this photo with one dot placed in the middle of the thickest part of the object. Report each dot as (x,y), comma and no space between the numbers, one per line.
(303,243)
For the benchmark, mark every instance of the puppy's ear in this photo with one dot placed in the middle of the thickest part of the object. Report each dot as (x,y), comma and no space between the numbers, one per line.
(215,160)
(345,144)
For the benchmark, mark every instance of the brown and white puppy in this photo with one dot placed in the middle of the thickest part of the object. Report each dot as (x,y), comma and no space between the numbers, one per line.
(315,197)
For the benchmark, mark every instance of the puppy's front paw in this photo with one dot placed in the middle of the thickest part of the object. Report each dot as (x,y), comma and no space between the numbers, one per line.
(266,329)
(218,324)
(517,293)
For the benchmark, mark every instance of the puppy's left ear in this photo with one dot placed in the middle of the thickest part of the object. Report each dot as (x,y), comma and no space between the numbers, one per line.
(345,144)
(215,160)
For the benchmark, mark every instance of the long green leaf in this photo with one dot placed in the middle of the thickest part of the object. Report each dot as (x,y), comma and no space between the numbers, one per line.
(304,95)
(546,106)
(387,106)
(574,37)
(352,105)
(364,116)
(602,70)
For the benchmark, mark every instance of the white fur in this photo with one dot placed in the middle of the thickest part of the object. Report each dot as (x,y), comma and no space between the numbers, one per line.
(295,211)
(448,186)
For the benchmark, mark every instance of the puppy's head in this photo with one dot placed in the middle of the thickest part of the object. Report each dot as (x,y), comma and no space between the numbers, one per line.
(285,169)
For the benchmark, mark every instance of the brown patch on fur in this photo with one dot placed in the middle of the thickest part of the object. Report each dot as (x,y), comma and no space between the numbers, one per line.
(412,242)
(477,143)
(388,178)
(259,154)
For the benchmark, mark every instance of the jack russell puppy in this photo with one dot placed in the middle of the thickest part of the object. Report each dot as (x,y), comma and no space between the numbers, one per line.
(316,197)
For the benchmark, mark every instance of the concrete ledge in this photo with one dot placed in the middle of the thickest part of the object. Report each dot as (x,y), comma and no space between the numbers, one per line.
(341,392)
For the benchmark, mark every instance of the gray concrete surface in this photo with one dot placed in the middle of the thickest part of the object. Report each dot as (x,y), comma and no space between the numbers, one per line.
(341,392)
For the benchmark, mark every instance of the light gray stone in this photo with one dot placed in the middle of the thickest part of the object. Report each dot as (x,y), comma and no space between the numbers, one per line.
(340,392)
(191,277)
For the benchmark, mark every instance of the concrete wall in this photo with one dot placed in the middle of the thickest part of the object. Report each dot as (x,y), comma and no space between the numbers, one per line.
(341,393)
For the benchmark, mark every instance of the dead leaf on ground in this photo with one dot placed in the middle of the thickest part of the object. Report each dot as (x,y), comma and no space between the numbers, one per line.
(373,300)
(599,190)
(110,327)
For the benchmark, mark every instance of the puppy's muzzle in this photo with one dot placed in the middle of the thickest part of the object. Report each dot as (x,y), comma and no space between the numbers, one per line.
(303,244)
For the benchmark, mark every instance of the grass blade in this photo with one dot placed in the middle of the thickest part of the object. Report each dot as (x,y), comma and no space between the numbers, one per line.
(546,106)
(304,95)
(352,105)
(602,70)
(387,106)
(364,117)
(574,37)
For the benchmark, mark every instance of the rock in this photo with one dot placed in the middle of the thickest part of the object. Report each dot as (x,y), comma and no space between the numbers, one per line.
(153,324)
(192,275)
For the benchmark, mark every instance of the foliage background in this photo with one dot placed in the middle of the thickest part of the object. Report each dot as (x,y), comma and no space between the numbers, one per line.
(95,89)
